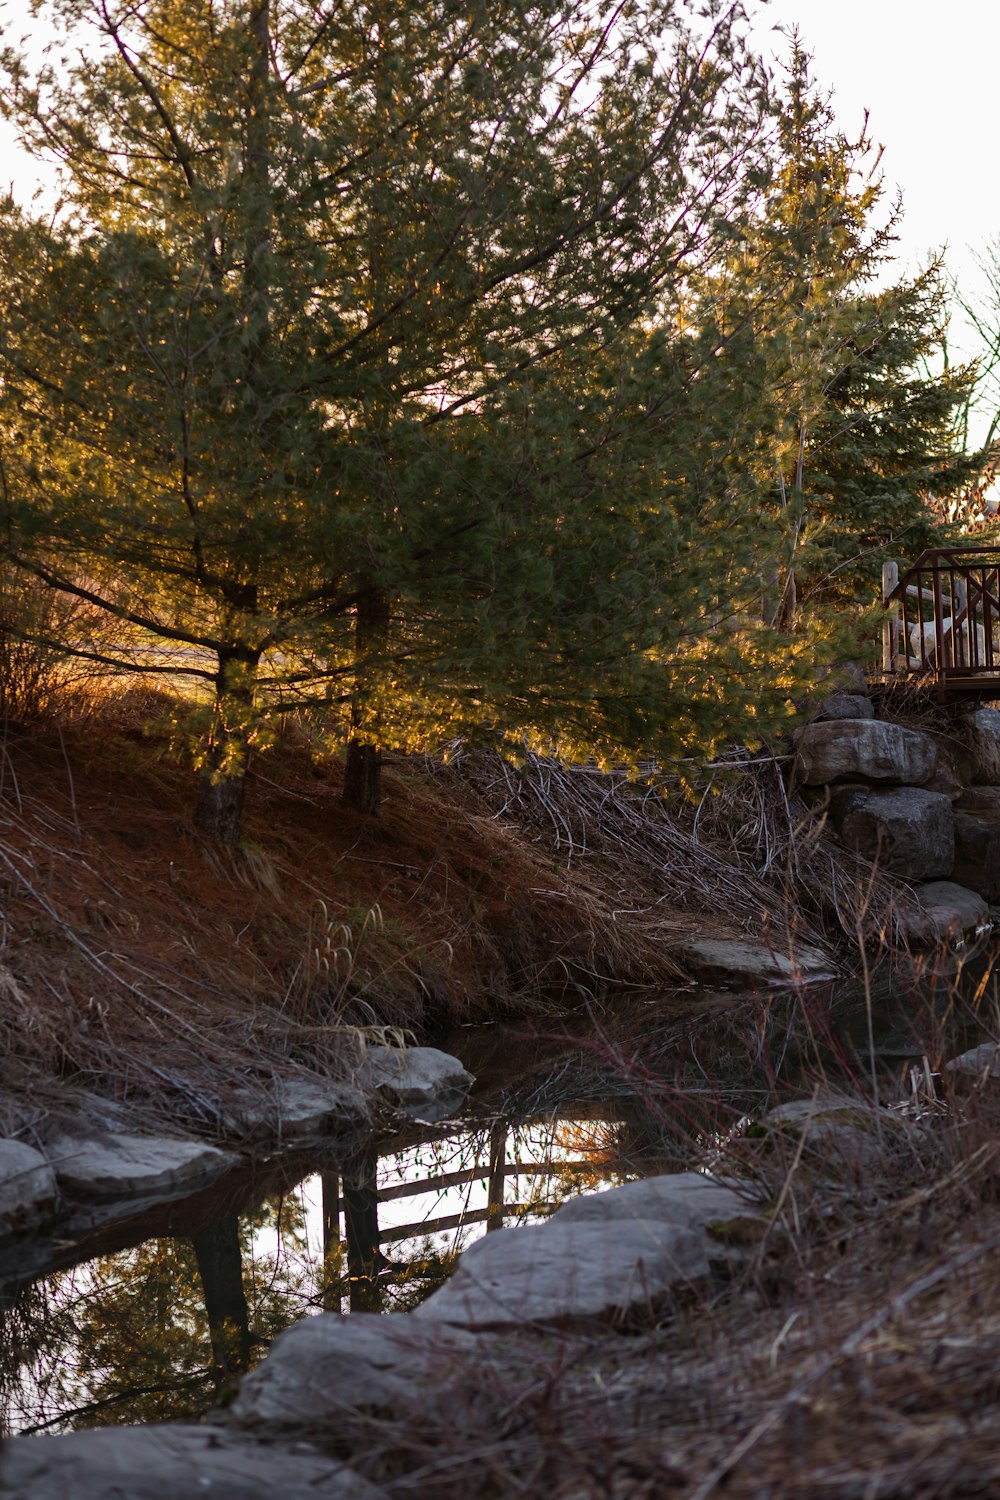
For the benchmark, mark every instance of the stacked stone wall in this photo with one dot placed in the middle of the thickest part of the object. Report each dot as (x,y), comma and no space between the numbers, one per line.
(920,804)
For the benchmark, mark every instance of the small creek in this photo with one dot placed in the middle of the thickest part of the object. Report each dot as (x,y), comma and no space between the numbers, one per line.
(156,1317)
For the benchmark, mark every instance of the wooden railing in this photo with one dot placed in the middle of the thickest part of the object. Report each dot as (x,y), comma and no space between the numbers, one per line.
(942,622)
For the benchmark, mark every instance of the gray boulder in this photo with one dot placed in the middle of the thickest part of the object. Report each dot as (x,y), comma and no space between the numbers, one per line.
(906,830)
(942,911)
(327,1366)
(977,853)
(294,1109)
(980,1065)
(27,1189)
(979,733)
(569,1274)
(867,750)
(172,1461)
(735,960)
(420,1081)
(688,1199)
(845,1135)
(844,706)
(103,1168)
(851,677)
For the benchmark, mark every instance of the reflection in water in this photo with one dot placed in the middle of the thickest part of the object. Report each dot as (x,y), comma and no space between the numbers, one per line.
(163,1330)
(219,1255)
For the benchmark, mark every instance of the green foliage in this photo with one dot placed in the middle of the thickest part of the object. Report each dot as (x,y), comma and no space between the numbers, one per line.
(437,366)
(859,416)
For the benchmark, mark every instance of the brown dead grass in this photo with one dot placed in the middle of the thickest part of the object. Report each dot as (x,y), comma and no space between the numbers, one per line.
(149,964)
(144,962)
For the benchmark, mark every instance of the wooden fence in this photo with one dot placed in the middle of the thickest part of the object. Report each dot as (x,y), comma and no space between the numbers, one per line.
(942,621)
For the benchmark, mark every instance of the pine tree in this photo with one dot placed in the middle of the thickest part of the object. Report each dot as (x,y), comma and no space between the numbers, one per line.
(330,373)
(859,417)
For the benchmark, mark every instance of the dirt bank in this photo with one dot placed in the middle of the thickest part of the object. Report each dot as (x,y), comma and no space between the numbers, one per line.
(143,962)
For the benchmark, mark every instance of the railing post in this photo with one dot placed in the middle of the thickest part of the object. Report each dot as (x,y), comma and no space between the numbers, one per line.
(890,578)
(960,627)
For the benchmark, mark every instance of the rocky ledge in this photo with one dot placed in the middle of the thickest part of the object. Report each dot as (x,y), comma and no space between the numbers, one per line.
(63,1176)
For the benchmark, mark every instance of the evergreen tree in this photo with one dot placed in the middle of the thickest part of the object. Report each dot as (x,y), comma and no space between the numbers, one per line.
(329,374)
(858,417)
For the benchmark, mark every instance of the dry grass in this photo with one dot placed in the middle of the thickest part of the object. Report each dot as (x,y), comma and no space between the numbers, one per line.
(143,963)
(746,856)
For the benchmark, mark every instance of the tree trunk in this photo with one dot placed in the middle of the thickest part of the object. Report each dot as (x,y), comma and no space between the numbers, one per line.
(220,806)
(219,812)
(220,1264)
(363,765)
(363,776)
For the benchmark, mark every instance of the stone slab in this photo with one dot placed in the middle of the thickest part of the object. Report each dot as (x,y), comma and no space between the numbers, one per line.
(421,1081)
(980,1064)
(979,799)
(295,1109)
(979,733)
(977,853)
(172,1461)
(688,1199)
(103,1168)
(944,911)
(737,960)
(867,750)
(843,1133)
(844,706)
(329,1365)
(906,830)
(562,1275)
(27,1189)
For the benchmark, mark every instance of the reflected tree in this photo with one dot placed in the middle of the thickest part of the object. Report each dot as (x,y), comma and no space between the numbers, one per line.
(219,1255)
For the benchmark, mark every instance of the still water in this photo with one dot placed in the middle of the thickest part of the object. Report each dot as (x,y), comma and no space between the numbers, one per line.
(157,1319)
(163,1327)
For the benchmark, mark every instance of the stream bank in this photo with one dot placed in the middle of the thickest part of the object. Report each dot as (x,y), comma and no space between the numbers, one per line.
(813,1310)
(625,886)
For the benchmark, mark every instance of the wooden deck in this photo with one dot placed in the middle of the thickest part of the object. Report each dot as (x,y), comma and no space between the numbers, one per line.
(942,623)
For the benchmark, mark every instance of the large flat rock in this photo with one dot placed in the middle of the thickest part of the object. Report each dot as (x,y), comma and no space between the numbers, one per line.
(739,961)
(326,1366)
(942,911)
(103,1168)
(27,1189)
(843,705)
(979,799)
(174,1461)
(979,733)
(420,1081)
(687,1199)
(295,1109)
(839,1136)
(867,750)
(980,1065)
(554,1275)
(977,853)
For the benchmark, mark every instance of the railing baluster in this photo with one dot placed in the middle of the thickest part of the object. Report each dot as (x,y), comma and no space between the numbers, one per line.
(890,641)
(984,581)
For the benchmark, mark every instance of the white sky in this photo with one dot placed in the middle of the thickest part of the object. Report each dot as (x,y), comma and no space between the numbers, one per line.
(926,71)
